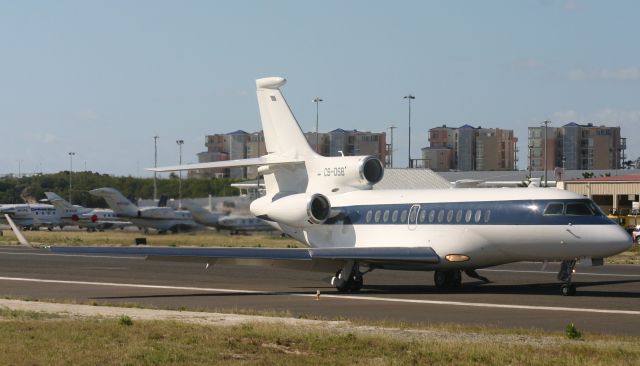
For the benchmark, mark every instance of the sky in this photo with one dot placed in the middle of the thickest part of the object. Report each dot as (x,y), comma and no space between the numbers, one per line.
(101,78)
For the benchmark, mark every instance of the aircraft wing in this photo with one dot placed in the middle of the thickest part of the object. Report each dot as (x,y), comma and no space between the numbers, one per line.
(263,160)
(318,259)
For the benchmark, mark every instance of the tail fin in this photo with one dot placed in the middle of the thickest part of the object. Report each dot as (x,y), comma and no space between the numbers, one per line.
(282,133)
(162,202)
(59,202)
(118,203)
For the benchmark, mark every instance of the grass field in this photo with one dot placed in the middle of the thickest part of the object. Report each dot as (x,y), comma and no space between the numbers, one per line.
(118,237)
(31,339)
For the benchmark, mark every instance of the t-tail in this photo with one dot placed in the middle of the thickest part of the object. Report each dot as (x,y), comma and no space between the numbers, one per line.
(299,183)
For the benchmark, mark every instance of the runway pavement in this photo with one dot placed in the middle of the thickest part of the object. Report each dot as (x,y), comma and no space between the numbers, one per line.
(521,295)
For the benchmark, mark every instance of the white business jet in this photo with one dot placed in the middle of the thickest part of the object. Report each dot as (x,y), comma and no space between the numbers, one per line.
(91,219)
(327,203)
(162,219)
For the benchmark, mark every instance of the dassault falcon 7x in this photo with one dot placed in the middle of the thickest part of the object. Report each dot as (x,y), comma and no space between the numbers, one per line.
(327,203)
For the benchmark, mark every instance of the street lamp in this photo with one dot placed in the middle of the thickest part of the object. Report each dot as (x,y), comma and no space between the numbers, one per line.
(155,165)
(391,128)
(409,98)
(71,154)
(180,143)
(317,101)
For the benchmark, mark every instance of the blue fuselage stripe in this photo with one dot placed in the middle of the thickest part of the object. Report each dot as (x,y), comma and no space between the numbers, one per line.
(520,212)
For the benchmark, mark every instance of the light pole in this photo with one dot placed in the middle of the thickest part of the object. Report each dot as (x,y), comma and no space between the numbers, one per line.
(317,101)
(391,128)
(409,98)
(545,152)
(530,159)
(180,142)
(155,165)
(71,154)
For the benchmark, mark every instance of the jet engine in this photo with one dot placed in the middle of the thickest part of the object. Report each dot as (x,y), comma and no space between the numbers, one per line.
(298,210)
(360,172)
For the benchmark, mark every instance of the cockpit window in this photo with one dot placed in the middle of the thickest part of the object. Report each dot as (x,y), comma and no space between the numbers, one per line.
(578,209)
(554,209)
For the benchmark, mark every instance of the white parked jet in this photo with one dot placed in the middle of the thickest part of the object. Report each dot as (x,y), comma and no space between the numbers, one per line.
(327,203)
(33,216)
(233,223)
(90,218)
(162,219)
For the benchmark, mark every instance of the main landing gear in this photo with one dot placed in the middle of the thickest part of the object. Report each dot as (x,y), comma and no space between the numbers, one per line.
(566,271)
(349,278)
(452,278)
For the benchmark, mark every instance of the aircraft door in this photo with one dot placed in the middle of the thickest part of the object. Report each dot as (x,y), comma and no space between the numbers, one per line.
(412,219)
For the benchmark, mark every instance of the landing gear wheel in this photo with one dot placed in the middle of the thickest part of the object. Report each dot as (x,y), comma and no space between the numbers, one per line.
(353,284)
(568,289)
(447,279)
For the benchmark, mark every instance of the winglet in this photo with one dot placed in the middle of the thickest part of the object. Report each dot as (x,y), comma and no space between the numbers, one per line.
(23,241)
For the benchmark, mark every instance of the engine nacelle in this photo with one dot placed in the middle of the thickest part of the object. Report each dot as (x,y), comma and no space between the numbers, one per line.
(297,210)
(360,172)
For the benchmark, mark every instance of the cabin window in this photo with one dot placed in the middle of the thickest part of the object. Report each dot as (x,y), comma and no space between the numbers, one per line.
(423,216)
(478,216)
(487,215)
(458,216)
(376,218)
(369,215)
(449,215)
(403,216)
(440,216)
(432,215)
(467,216)
(578,209)
(385,216)
(554,209)
(394,216)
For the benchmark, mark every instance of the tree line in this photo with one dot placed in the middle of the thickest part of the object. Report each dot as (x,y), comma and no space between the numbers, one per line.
(31,188)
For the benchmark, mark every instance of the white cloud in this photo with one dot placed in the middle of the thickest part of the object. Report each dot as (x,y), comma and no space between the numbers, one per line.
(87,116)
(528,63)
(570,6)
(565,117)
(631,73)
(40,137)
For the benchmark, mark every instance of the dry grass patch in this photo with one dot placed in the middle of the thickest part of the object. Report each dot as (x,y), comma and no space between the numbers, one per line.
(117,237)
(108,342)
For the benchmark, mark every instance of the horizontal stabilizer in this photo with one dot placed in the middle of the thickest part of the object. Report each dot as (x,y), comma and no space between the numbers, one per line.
(263,160)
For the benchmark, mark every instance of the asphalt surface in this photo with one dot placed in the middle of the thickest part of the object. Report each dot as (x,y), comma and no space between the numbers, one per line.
(520,296)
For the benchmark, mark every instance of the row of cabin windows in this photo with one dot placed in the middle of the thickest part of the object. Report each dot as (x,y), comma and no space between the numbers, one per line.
(431,216)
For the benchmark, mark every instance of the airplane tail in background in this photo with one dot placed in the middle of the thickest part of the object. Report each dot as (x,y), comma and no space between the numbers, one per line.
(118,202)
(59,202)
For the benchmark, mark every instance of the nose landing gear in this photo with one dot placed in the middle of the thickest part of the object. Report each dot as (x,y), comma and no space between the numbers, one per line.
(447,279)
(564,275)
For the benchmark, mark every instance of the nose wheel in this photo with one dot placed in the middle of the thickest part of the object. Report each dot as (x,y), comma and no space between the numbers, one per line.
(566,272)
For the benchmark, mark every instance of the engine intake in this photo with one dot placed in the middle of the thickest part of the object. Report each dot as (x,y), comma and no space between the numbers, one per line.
(371,170)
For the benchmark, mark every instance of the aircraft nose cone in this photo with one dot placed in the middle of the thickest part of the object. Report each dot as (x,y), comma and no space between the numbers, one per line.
(620,240)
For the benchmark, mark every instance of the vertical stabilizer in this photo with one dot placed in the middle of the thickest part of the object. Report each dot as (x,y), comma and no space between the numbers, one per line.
(283,138)
(59,202)
(118,203)
(282,134)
